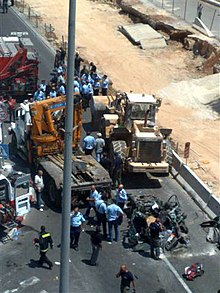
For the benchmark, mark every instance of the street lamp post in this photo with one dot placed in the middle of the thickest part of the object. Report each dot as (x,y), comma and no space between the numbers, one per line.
(66,199)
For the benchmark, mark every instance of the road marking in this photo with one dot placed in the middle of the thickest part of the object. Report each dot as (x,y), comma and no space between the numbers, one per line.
(188,255)
(24,284)
(176,274)
(29,282)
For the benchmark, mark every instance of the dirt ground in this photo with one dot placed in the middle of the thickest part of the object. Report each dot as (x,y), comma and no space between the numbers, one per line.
(130,68)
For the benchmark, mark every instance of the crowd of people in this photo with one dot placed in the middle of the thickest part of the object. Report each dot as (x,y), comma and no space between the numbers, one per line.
(106,212)
(87,82)
(109,212)
(97,145)
(8,103)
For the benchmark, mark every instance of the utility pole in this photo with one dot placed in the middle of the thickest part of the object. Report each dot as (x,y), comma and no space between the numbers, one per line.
(66,199)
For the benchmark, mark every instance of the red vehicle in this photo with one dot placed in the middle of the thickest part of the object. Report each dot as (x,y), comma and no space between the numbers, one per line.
(195,270)
(18,66)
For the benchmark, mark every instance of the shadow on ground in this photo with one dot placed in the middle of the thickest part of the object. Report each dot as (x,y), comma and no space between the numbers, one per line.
(140,181)
(86,262)
(35,264)
(214,105)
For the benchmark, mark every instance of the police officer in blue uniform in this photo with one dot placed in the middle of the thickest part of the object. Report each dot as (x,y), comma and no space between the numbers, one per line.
(39,95)
(101,208)
(88,144)
(93,196)
(77,221)
(114,214)
(121,196)
(105,84)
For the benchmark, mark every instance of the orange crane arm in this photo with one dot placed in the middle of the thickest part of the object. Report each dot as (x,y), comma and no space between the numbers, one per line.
(46,136)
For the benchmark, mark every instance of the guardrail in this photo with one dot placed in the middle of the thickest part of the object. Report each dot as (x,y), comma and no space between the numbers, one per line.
(195,187)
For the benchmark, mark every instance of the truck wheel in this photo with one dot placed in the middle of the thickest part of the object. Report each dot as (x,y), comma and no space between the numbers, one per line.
(53,194)
(119,146)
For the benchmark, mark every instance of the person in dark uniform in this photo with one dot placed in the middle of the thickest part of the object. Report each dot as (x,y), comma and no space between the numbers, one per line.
(92,67)
(199,10)
(5,6)
(43,242)
(155,229)
(78,61)
(57,59)
(106,163)
(62,55)
(126,279)
(117,170)
(96,241)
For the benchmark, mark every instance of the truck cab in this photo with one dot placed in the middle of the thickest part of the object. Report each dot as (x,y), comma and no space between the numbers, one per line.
(15,193)
(20,128)
(18,65)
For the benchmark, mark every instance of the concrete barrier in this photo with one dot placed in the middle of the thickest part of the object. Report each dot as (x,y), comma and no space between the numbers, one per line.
(195,187)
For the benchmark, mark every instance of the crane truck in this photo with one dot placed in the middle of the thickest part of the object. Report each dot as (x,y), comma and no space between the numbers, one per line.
(38,136)
(18,66)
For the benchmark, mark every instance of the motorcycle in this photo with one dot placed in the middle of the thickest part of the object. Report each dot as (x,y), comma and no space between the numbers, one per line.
(213,233)
(195,270)
(170,214)
(174,215)
(173,240)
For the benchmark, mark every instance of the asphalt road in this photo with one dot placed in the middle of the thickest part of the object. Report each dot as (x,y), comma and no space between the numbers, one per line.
(210,13)
(19,271)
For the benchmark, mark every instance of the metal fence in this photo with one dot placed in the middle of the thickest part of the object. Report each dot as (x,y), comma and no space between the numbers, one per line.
(187,10)
(45,29)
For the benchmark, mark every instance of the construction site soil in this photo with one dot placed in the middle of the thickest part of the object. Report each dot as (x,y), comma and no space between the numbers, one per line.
(131,68)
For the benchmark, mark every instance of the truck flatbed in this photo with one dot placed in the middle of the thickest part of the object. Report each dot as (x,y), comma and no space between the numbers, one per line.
(86,171)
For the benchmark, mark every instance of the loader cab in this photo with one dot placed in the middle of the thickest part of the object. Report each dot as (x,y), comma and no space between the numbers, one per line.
(140,119)
(141,107)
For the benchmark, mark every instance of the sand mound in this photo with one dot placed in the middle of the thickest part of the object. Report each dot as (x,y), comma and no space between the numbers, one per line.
(202,93)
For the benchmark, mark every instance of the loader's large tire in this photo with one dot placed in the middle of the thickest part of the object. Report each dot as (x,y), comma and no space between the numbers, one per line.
(119,146)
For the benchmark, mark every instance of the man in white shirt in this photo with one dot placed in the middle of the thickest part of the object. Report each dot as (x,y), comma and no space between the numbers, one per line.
(39,186)
(99,146)
(94,195)
(121,196)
